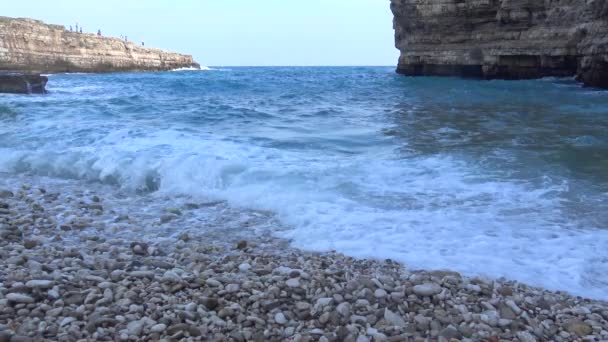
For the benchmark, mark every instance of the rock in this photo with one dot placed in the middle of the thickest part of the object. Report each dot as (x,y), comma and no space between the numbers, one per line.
(142,274)
(578,328)
(525,336)
(241,245)
(450,333)
(22,83)
(5,336)
(39,284)
(73,298)
(182,327)
(171,277)
(322,302)
(66,321)
(362,338)
(19,298)
(503,39)
(209,303)
(343,309)
(213,282)
(380,293)
(30,243)
(139,248)
(293,282)
(174,211)
(511,304)
(167,218)
(427,290)
(244,267)
(393,318)
(21,338)
(506,312)
(135,328)
(280,318)
(158,328)
(232,288)
(6,194)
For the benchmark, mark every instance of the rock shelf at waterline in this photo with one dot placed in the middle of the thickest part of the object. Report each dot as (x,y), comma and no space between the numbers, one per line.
(65,276)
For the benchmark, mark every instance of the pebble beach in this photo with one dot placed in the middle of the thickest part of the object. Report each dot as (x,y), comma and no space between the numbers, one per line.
(67,275)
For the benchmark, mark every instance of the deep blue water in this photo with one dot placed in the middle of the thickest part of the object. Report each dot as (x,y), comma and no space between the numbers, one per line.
(498,178)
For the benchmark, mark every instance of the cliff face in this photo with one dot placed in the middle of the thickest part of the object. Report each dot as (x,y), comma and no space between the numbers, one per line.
(33,46)
(511,39)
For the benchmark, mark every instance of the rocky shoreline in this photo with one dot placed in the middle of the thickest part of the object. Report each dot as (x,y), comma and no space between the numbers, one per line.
(66,276)
(30,45)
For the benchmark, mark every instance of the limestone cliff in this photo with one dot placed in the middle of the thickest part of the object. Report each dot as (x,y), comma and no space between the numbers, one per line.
(511,39)
(33,46)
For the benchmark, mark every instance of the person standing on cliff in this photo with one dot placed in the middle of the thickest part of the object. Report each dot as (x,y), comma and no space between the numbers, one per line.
(142,43)
(81,30)
(76,27)
(71,28)
(98,33)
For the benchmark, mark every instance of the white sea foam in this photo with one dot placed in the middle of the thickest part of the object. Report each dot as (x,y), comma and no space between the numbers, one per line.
(202,68)
(429,212)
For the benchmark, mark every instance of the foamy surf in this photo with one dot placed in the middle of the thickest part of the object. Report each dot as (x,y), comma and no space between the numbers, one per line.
(202,68)
(488,187)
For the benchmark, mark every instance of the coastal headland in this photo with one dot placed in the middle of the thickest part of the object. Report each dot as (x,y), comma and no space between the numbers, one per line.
(29,45)
(504,39)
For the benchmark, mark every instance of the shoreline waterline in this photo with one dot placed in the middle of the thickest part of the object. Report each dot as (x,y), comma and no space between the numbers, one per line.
(65,265)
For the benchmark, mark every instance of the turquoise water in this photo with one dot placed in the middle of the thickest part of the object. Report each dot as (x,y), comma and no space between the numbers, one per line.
(495,178)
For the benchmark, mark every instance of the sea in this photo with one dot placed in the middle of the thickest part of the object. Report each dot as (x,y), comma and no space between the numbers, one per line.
(487,178)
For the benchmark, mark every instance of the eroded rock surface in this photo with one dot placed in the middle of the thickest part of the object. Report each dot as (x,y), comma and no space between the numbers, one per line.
(20,83)
(510,39)
(33,46)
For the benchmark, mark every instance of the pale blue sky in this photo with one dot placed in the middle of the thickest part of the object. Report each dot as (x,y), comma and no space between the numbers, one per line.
(236,32)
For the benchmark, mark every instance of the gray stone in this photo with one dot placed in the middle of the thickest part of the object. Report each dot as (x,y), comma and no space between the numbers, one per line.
(578,327)
(158,328)
(135,328)
(19,298)
(343,309)
(280,318)
(525,336)
(450,333)
(232,288)
(380,293)
(40,284)
(427,289)
(213,282)
(293,282)
(393,318)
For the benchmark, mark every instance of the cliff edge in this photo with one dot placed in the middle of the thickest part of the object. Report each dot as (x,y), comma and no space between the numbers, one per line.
(32,46)
(510,39)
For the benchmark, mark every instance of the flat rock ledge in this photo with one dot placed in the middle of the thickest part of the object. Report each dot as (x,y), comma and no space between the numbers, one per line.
(22,83)
(62,281)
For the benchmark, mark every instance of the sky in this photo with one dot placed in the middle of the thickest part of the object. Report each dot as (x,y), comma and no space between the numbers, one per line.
(236,32)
